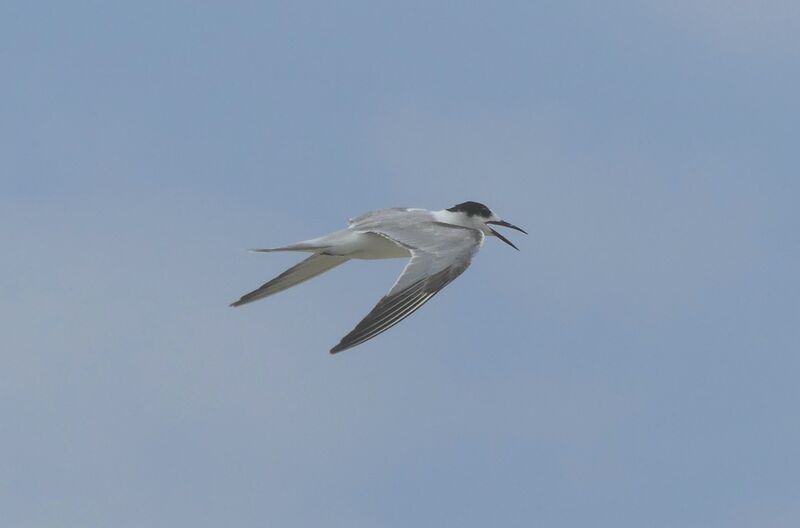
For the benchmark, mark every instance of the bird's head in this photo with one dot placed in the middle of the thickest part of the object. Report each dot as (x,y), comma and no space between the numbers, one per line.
(477,216)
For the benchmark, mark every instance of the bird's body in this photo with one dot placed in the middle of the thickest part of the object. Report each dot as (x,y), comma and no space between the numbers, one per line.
(441,245)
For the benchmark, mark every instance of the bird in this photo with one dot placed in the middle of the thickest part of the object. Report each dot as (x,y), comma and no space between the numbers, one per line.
(440,244)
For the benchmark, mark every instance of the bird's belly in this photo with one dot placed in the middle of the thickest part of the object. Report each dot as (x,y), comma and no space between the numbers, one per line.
(371,246)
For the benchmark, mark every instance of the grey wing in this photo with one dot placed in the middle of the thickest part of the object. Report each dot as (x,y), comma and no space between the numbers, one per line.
(439,254)
(307,269)
(382,216)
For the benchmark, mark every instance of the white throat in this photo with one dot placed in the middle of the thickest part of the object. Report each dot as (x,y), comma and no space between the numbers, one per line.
(460,219)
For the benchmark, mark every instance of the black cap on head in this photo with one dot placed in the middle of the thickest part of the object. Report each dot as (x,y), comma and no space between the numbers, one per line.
(471,209)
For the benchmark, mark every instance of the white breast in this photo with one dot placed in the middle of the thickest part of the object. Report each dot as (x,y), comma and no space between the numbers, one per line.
(369,246)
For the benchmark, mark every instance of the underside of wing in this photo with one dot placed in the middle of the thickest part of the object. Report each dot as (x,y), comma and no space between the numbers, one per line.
(307,269)
(395,307)
(440,253)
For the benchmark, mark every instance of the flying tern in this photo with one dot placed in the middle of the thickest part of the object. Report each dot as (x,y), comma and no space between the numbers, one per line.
(441,245)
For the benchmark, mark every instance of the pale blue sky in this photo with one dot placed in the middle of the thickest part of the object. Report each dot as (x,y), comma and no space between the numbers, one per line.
(635,365)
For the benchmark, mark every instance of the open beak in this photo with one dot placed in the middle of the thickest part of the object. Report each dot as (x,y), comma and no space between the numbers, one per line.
(505,224)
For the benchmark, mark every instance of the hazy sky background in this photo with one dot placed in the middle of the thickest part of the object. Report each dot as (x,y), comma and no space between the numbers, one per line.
(635,365)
